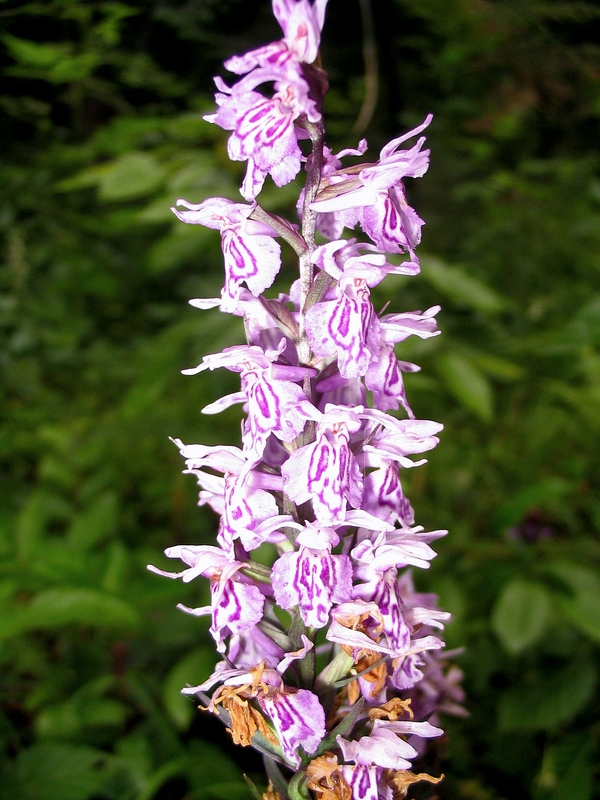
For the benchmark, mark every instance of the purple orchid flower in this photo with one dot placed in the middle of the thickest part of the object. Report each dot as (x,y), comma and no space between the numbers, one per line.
(346,327)
(275,404)
(249,514)
(298,718)
(297,715)
(332,225)
(384,497)
(376,555)
(384,378)
(312,579)
(237,603)
(314,525)
(249,249)
(345,324)
(376,195)
(263,128)
(326,471)
(384,747)
(302,23)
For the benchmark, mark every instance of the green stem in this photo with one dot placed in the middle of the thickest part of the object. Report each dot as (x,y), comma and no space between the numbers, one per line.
(309,228)
(288,234)
(297,789)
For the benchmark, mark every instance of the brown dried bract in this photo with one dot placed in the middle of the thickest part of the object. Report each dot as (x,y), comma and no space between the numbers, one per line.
(377,675)
(400,780)
(353,690)
(245,719)
(326,780)
(392,710)
(271,793)
(356,622)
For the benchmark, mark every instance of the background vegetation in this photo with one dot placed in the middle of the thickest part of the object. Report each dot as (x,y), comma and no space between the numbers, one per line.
(101,117)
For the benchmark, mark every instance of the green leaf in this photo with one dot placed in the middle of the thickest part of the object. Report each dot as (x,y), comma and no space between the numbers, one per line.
(521,614)
(467,383)
(226,790)
(35,54)
(55,608)
(67,720)
(189,126)
(499,368)
(51,771)
(74,68)
(96,523)
(185,244)
(274,774)
(544,494)
(460,288)
(116,567)
(568,769)
(297,788)
(41,507)
(549,702)
(132,175)
(190,671)
(91,176)
(582,605)
(209,765)
(159,777)
(583,330)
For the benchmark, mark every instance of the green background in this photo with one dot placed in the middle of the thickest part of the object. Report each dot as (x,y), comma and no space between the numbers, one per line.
(101,109)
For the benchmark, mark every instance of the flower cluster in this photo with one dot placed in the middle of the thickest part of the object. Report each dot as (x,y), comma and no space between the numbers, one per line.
(329,652)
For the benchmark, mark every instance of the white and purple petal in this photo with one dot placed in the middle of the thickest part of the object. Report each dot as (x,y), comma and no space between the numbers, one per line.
(298,718)
(312,581)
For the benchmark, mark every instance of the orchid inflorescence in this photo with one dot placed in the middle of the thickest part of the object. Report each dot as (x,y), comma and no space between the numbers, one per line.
(331,665)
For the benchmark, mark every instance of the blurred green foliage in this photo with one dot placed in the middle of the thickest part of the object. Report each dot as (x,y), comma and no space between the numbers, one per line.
(101,114)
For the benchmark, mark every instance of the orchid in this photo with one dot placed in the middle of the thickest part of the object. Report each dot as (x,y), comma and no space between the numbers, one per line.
(316,537)
(264,130)
(375,196)
(249,249)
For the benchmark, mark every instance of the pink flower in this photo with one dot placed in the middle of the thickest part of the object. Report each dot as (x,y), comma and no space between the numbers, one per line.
(275,404)
(236,602)
(251,255)
(384,747)
(263,128)
(326,471)
(312,580)
(376,194)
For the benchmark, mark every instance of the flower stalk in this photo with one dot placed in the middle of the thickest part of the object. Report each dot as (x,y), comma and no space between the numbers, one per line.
(342,697)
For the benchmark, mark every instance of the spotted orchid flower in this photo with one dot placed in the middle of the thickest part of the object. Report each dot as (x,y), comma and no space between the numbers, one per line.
(296,715)
(301,22)
(346,327)
(375,194)
(264,131)
(326,471)
(276,405)
(250,251)
(384,378)
(237,603)
(312,578)
(384,497)
(316,537)
(249,514)
(332,225)
(384,746)
(383,758)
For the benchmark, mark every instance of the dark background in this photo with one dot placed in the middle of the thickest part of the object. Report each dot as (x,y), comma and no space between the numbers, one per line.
(101,126)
